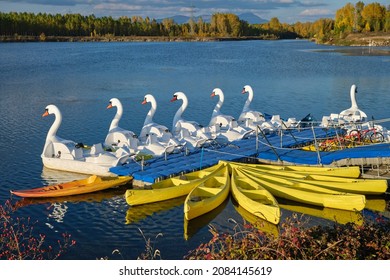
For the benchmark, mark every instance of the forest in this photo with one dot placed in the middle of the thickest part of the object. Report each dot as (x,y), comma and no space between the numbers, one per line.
(358,18)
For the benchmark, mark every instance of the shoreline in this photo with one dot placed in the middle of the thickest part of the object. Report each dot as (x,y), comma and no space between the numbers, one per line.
(21,39)
(352,40)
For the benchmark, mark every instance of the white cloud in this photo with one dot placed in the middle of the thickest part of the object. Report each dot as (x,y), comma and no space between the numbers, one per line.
(284,1)
(316,12)
(118,7)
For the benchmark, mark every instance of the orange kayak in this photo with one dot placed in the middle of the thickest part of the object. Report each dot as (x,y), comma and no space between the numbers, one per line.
(91,184)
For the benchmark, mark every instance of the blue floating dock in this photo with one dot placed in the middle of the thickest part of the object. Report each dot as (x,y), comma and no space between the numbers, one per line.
(157,169)
(272,149)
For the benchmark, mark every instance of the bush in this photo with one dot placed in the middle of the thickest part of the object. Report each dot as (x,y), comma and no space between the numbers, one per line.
(296,241)
(18,241)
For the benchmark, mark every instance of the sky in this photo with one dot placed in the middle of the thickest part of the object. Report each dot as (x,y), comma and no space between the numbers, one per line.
(287,11)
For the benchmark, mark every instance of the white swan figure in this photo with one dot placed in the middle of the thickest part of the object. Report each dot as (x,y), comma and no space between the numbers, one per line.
(228,126)
(248,117)
(217,117)
(353,113)
(67,155)
(191,132)
(117,136)
(153,133)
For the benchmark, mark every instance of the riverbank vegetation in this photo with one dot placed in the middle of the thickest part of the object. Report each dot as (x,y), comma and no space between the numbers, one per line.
(297,241)
(353,24)
(19,241)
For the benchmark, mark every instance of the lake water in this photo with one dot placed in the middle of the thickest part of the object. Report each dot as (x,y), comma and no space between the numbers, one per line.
(290,78)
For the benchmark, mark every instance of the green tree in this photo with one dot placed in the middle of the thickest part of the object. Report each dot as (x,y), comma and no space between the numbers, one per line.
(358,21)
(386,27)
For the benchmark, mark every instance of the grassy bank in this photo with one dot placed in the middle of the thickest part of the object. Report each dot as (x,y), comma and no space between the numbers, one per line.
(375,39)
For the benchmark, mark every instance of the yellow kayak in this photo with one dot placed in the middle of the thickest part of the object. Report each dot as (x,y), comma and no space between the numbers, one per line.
(350,185)
(91,184)
(309,194)
(254,198)
(167,189)
(347,172)
(208,193)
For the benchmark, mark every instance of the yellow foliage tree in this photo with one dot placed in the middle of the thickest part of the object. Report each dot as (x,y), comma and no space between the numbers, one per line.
(374,14)
(345,19)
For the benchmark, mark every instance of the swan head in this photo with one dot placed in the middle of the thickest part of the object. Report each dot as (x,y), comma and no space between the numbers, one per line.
(148,98)
(217,91)
(51,109)
(114,102)
(354,89)
(247,89)
(178,96)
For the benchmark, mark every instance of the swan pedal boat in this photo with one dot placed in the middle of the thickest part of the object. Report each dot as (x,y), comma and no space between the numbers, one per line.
(340,184)
(346,172)
(208,194)
(307,193)
(66,155)
(255,199)
(93,183)
(169,188)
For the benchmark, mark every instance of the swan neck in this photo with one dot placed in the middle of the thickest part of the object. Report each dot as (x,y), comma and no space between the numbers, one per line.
(179,113)
(52,133)
(149,116)
(54,127)
(353,99)
(117,117)
(217,108)
(248,101)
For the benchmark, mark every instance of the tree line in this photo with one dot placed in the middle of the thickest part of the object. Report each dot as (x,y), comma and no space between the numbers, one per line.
(350,18)
(221,25)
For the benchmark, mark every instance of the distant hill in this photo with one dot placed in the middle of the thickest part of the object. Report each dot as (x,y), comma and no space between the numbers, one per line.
(248,17)
(252,18)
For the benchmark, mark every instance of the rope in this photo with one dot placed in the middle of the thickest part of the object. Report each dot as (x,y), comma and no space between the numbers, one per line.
(279,148)
(201,158)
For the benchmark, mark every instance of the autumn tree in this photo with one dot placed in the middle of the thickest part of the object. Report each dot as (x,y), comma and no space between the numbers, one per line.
(225,25)
(345,19)
(274,24)
(374,16)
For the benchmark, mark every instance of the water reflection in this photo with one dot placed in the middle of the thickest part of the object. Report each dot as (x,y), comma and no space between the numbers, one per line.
(137,213)
(52,177)
(257,222)
(360,51)
(57,214)
(191,227)
(335,215)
